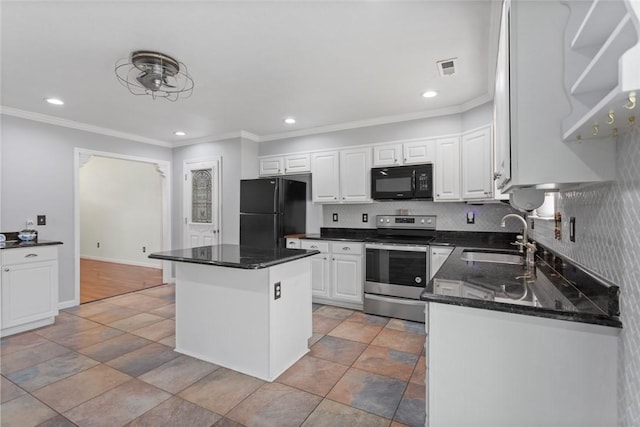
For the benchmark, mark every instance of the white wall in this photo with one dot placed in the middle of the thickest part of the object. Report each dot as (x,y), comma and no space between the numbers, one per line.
(435,126)
(608,243)
(231,173)
(38,178)
(121,209)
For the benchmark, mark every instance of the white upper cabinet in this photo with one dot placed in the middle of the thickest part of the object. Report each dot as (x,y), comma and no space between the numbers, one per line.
(355,175)
(325,171)
(447,169)
(387,155)
(270,166)
(537,101)
(422,151)
(408,153)
(341,176)
(285,165)
(477,182)
(297,163)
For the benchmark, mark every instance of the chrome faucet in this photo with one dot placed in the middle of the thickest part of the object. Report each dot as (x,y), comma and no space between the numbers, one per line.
(530,247)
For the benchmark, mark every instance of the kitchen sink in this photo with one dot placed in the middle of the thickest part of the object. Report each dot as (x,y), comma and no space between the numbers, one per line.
(492,256)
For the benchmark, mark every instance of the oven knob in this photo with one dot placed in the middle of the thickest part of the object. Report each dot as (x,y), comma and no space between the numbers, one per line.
(387,219)
(418,279)
(422,221)
(381,219)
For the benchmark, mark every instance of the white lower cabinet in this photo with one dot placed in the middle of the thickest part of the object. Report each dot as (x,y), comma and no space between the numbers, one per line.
(29,288)
(337,273)
(492,368)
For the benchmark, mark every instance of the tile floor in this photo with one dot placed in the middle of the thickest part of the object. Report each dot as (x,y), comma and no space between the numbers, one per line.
(111,363)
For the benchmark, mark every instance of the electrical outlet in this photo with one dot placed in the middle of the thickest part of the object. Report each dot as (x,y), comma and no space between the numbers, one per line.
(365,217)
(277,290)
(42,220)
(98,245)
(335,217)
(572,228)
(144,249)
(471,217)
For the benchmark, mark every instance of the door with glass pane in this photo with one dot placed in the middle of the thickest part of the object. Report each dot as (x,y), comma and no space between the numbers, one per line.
(201,203)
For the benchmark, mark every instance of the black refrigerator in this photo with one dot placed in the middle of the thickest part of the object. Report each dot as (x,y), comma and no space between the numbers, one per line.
(270,209)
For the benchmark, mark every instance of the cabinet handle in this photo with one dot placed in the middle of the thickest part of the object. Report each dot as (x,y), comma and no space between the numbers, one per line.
(6,269)
(395,160)
(405,159)
(30,255)
(325,258)
(343,197)
(313,247)
(335,198)
(346,248)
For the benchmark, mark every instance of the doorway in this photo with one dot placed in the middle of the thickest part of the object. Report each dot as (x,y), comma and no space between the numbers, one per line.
(122,215)
(201,209)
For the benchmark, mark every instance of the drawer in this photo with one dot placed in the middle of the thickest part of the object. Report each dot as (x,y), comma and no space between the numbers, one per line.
(35,254)
(314,244)
(293,243)
(350,248)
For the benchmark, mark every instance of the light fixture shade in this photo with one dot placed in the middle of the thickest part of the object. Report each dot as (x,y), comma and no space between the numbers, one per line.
(154,74)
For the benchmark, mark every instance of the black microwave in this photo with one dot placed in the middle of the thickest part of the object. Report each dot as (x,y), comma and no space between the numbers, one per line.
(402,182)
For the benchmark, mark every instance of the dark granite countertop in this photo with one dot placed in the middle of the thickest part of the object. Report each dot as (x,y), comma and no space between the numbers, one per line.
(234,256)
(554,288)
(13,244)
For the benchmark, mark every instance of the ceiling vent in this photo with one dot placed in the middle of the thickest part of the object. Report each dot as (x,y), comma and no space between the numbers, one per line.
(447,67)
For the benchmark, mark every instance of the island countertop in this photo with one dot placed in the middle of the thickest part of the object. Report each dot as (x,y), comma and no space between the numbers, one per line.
(234,256)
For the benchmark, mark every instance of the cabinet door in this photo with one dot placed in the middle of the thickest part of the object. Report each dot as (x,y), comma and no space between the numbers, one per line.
(501,104)
(270,166)
(347,278)
(297,163)
(325,174)
(447,169)
(320,277)
(29,292)
(438,256)
(355,175)
(477,180)
(387,155)
(416,152)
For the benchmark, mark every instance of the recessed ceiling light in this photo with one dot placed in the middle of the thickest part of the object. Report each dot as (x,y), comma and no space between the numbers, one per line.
(289,120)
(179,133)
(54,101)
(430,94)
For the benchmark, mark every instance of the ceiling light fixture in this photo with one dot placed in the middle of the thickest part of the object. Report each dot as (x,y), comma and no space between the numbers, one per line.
(54,101)
(430,94)
(179,133)
(290,120)
(154,74)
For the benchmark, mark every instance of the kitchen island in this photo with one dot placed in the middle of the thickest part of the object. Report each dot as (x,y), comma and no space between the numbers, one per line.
(244,308)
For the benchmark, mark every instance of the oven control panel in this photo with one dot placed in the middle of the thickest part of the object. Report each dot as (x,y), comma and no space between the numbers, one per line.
(424,222)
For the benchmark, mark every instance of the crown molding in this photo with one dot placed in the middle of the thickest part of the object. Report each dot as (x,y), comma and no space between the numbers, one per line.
(43,118)
(381,120)
(215,138)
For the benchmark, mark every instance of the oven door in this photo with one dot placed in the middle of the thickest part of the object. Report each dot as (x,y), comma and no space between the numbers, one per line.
(396,269)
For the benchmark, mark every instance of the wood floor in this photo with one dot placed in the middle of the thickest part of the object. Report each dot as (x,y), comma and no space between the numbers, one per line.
(99,279)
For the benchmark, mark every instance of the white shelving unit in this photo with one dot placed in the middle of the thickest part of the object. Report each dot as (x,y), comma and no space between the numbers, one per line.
(605,85)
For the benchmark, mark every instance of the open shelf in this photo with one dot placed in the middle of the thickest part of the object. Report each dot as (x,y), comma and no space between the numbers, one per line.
(602,71)
(599,22)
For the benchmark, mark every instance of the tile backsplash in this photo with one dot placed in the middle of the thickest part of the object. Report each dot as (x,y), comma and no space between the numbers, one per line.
(450,216)
(608,243)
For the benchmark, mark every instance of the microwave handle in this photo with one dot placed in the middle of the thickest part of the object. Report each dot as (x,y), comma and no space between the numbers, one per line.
(413,182)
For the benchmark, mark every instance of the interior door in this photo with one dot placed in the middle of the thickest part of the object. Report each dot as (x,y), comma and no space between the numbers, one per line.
(202,200)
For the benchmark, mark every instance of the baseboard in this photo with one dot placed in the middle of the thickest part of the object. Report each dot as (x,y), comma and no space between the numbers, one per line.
(67,304)
(126,262)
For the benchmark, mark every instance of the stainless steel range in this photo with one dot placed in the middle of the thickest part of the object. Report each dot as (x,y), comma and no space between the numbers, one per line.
(397,266)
